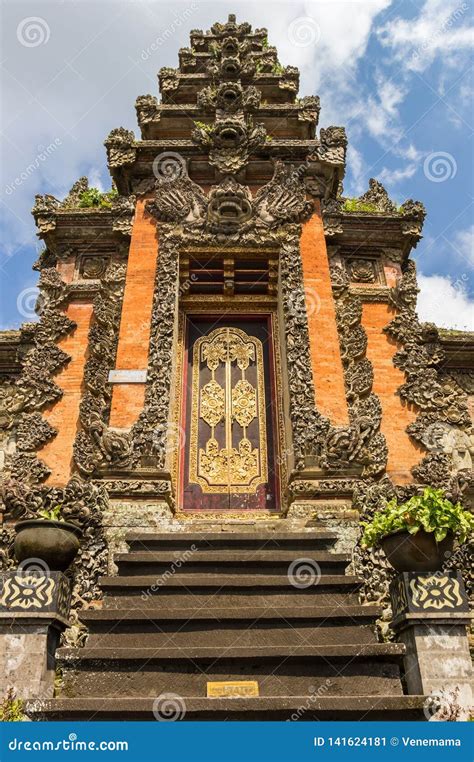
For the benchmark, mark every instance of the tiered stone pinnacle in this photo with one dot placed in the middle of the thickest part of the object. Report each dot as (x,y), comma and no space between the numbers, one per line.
(229,100)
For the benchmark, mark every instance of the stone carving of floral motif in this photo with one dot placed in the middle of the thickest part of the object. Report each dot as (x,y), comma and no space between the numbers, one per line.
(120,145)
(147,433)
(361,441)
(148,109)
(33,431)
(230,142)
(97,445)
(309,427)
(282,200)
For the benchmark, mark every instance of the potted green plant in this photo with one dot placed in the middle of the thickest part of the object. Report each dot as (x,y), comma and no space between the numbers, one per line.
(49,538)
(418,534)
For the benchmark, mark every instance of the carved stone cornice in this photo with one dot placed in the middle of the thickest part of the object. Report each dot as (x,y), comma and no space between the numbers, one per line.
(120,145)
(72,218)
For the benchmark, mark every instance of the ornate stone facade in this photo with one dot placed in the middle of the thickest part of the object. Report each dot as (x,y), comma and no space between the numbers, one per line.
(230,171)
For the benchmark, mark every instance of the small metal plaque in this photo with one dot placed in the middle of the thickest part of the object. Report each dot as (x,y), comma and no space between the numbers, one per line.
(127,376)
(233,689)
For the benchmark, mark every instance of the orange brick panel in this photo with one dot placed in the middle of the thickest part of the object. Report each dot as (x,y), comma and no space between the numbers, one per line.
(403,453)
(328,374)
(64,415)
(134,333)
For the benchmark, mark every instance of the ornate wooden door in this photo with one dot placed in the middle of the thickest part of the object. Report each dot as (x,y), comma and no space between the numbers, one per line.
(229,461)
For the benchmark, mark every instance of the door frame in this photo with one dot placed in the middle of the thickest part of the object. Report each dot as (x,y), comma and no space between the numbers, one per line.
(277,420)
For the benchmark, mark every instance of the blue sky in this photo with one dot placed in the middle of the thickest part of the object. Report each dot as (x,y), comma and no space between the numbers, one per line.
(396,74)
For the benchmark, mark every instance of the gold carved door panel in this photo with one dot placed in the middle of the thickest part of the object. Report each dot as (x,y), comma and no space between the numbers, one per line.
(227,463)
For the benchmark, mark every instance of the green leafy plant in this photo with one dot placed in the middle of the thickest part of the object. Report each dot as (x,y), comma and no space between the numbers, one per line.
(11,708)
(53,514)
(277,68)
(354,205)
(209,128)
(93,197)
(431,511)
(214,49)
(265,43)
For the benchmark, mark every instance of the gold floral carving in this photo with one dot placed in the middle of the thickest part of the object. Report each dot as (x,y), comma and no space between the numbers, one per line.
(237,466)
(212,406)
(244,403)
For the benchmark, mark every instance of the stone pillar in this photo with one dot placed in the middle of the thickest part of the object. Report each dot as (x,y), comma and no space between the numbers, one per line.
(430,615)
(33,613)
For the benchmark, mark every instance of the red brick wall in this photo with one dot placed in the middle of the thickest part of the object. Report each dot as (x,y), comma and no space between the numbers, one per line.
(64,415)
(396,414)
(134,334)
(328,375)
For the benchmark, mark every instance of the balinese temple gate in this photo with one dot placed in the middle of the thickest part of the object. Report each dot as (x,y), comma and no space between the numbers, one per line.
(227,374)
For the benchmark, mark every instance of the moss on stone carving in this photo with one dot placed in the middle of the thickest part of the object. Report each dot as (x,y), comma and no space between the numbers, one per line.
(93,197)
(355,205)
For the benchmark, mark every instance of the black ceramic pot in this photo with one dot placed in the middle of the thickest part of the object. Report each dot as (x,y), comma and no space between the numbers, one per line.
(416,552)
(55,543)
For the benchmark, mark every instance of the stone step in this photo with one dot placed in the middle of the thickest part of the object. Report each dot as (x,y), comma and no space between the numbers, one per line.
(230,560)
(356,679)
(382,651)
(226,590)
(177,598)
(242,616)
(156,628)
(221,540)
(286,669)
(224,580)
(299,707)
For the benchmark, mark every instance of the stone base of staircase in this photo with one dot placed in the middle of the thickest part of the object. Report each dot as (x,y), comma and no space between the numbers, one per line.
(188,608)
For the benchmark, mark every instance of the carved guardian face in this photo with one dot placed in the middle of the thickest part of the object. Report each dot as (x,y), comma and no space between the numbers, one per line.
(230,206)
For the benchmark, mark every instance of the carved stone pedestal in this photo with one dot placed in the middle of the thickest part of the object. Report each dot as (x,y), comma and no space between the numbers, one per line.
(33,613)
(430,615)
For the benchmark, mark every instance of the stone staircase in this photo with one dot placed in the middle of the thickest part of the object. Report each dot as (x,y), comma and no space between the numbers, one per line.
(192,607)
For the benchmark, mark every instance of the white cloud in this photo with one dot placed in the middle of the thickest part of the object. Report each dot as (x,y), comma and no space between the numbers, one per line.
(445,303)
(440,29)
(392,176)
(356,184)
(463,243)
